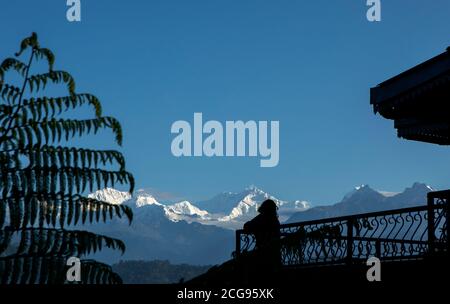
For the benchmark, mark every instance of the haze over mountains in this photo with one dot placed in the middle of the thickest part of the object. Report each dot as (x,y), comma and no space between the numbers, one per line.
(202,233)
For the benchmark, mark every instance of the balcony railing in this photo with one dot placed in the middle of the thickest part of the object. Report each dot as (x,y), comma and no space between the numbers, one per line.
(402,234)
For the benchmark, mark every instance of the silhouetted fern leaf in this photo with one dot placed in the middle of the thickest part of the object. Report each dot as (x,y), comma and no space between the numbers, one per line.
(43,183)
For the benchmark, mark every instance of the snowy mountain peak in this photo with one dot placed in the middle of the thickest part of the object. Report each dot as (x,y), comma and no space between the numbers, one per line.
(111,196)
(363,189)
(302,205)
(250,200)
(252,189)
(357,188)
(145,199)
(252,193)
(421,186)
(186,208)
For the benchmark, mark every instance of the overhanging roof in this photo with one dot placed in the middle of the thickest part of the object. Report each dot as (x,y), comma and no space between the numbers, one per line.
(418,100)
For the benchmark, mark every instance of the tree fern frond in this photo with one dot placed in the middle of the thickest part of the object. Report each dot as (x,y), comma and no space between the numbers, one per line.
(50,107)
(43,53)
(55,130)
(66,157)
(52,270)
(46,210)
(31,41)
(32,270)
(9,93)
(76,179)
(14,64)
(36,82)
(49,242)
(93,272)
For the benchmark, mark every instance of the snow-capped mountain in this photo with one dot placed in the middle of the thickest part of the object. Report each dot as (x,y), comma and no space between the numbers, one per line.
(185,211)
(145,199)
(111,196)
(364,199)
(247,206)
(175,212)
(186,208)
(224,202)
(228,210)
(353,191)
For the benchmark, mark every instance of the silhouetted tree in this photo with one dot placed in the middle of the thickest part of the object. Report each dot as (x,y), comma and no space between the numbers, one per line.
(157,272)
(43,183)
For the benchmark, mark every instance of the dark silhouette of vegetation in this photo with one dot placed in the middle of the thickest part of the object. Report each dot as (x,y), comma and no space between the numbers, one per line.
(43,183)
(156,272)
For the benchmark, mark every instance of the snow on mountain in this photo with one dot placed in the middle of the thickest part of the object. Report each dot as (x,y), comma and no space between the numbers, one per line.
(111,196)
(186,208)
(229,210)
(250,199)
(222,203)
(185,211)
(353,191)
(364,199)
(243,208)
(301,205)
(145,199)
(247,208)
(232,210)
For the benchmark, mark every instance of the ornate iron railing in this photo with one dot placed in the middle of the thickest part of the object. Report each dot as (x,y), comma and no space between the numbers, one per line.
(400,234)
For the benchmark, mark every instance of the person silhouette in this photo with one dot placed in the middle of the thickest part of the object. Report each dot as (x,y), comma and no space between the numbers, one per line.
(266,229)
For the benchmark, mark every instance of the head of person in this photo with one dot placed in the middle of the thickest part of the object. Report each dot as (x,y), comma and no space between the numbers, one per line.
(268,207)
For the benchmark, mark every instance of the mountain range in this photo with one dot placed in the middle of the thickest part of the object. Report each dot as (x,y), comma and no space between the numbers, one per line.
(203,232)
(226,210)
(364,199)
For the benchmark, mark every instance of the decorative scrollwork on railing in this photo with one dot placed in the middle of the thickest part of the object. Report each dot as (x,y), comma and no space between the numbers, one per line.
(390,235)
(440,227)
(407,225)
(307,244)
(248,242)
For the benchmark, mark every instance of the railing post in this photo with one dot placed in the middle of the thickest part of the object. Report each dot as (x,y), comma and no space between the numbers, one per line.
(238,244)
(446,223)
(448,226)
(378,249)
(431,228)
(349,240)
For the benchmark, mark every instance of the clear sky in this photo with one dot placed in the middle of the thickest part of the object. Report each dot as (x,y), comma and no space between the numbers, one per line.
(308,64)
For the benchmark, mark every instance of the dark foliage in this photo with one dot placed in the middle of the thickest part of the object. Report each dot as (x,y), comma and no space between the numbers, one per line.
(43,183)
(156,272)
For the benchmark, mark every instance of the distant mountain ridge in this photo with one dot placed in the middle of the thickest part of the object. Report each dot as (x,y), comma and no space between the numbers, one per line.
(364,199)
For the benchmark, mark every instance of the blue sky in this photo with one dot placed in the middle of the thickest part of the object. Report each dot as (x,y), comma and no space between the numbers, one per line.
(308,64)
